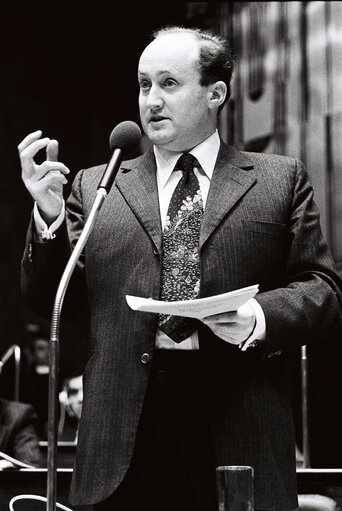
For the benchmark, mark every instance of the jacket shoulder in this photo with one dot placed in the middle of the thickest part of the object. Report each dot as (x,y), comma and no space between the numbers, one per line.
(277,168)
(13,411)
(271,159)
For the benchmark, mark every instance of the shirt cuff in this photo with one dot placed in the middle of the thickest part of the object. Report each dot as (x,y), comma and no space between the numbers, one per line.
(259,332)
(42,231)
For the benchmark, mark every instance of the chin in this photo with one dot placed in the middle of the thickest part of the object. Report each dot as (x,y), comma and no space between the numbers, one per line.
(158,139)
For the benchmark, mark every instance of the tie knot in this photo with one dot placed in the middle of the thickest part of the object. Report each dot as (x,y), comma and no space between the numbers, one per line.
(186,163)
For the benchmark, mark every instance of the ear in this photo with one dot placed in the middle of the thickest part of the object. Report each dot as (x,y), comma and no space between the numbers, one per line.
(217,93)
(63,398)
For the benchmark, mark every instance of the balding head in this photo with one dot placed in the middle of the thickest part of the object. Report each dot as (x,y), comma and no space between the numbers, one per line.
(177,110)
(215,60)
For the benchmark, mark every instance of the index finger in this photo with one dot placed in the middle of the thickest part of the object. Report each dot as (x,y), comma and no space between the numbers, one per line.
(52,151)
(32,137)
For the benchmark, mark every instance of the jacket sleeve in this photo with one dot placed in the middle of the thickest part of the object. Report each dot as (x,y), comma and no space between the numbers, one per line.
(43,263)
(25,445)
(308,307)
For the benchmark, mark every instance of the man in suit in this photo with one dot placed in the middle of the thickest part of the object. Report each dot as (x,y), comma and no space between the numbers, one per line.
(18,434)
(161,410)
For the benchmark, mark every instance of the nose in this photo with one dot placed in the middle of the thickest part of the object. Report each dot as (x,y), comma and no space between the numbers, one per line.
(154,100)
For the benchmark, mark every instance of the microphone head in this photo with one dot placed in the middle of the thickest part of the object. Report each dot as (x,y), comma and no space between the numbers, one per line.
(125,136)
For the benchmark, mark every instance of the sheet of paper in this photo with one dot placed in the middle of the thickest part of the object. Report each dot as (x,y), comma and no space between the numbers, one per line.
(198,308)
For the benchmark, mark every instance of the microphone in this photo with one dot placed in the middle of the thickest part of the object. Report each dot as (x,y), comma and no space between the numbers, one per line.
(124,138)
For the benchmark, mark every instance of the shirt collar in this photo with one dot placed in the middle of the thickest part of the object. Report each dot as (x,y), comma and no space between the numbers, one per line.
(206,153)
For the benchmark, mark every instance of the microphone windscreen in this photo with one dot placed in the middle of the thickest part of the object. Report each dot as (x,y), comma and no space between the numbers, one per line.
(125,136)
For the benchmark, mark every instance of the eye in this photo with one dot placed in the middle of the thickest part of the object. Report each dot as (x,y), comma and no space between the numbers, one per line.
(144,84)
(72,392)
(169,82)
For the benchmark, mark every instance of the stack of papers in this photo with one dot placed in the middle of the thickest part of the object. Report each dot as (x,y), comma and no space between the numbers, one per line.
(197,308)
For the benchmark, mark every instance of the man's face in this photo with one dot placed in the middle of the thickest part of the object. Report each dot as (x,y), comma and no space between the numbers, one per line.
(41,351)
(173,105)
(75,395)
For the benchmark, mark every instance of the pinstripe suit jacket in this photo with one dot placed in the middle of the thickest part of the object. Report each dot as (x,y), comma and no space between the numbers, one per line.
(260,226)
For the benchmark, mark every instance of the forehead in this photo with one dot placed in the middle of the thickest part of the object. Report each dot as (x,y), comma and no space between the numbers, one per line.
(170,53)
(75,383)
(40,342)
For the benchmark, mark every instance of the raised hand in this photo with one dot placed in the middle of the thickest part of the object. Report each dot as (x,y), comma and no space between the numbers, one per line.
(45,181)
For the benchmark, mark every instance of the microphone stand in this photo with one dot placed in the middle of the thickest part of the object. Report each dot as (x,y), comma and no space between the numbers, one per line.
(54,349)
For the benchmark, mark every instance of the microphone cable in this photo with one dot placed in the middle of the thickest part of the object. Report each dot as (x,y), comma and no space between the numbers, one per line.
(34,497)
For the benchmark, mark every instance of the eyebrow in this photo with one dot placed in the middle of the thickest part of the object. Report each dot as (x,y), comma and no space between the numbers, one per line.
(158,73)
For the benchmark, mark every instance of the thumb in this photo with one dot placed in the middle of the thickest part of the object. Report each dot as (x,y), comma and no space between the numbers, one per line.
(52,151)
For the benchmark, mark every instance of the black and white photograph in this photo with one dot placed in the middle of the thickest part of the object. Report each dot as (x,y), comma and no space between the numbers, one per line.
(171,256)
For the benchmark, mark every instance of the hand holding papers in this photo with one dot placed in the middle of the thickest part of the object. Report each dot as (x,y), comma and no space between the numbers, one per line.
(197,308)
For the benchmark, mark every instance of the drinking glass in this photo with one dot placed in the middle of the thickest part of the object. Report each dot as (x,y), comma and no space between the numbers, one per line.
(235,489)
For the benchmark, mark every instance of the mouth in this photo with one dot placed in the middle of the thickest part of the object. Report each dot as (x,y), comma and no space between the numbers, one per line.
(157,118)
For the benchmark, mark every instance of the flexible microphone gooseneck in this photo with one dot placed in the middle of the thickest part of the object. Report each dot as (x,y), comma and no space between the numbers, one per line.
(124,138)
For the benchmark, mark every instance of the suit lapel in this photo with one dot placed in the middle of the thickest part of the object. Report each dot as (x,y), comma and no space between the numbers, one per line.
(137,182)
(229,183)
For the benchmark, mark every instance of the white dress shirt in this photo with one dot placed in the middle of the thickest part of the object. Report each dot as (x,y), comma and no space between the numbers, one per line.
(167,179)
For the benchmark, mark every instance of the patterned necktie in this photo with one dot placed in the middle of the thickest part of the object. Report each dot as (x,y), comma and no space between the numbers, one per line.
(181,270)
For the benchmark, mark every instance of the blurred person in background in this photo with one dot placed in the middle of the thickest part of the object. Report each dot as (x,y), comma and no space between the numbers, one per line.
(34,388)
(18,434)
(71,400)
